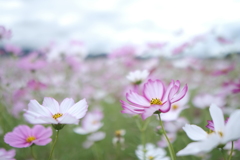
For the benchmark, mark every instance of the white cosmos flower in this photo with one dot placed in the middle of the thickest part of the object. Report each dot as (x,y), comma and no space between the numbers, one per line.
(137,76)
(222,134)
(152,153)
(50,112)
(90,123)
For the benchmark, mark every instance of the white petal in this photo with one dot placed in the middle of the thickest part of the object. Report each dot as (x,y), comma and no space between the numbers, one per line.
(79,109)
(217,117)
(194,132)
(34,106)
(232,127)
(80,130)
(68,119)
(66,104)
(51,104)
(203,146)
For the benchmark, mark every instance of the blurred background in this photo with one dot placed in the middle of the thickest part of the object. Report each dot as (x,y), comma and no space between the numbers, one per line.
(202,28)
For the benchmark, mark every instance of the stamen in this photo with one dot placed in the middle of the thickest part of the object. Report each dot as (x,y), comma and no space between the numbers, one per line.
(175,107)
(30,139)
(151,158)
(220,133)
(57,115)
(156,101)
(118,133)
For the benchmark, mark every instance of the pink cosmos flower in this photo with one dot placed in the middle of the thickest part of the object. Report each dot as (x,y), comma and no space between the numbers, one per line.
(23,136)
(156,97)
(7,155)
(50,112)
(4,33)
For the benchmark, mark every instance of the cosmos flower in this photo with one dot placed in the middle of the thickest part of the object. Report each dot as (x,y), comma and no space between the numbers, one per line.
(90,123)
(50,112)
(156,97)
(23,136)
(7,155)
(137,77)
(221,134)
(92,138)
(152,153)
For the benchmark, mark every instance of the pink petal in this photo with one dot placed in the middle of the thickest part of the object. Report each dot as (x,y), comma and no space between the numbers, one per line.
(153,89)
(42,142)
(41,133)
(166,94)
(180,95)
(149,111)
(137,99)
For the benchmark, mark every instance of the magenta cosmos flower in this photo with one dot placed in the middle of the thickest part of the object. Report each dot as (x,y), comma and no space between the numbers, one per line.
(156,97)
(50,112)
(23,136)
(7,155)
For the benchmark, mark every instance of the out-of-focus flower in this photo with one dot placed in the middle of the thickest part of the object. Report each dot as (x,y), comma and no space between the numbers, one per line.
(94,137)
(50,112)
(176,109)
(119,137)
(36,85)
(15,50)
(90,123)
(205,100)
(223,69)
(221,135)
(151,153)
(174,126)
(23,136)
(163,142)
(4,33)
(7,155)
(137,77)
(156,97)
(32,62)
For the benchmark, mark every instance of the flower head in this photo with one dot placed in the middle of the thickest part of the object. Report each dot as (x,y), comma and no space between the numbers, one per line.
(220,136)
(7,155)
(156,97)
(151,153)
(50,112)
(137,77)
(23,136)
(90,123)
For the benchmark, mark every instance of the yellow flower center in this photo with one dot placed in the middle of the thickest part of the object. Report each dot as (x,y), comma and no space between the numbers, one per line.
(175,106)
(156,101)
(57,115)
(30,139)
(220,133)
(118,133)
(151,158)
(94,122)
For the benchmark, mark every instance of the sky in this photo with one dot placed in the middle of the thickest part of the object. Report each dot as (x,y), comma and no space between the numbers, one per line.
(106,24)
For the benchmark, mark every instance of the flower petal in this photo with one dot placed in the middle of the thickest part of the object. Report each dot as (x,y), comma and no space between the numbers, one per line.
(194,132)
(153,89)
(180,95)
(68,119)
(137,99)
(51,104)
(79,109)
(232,127)
(66,104)
(217,117)
(149,111)
(203,146)
(34,106)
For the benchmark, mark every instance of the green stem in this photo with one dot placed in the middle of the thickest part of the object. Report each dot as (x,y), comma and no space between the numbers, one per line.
(223,153)
(54,143)
(230,156)
(95,151)
(170,147)
(33,153)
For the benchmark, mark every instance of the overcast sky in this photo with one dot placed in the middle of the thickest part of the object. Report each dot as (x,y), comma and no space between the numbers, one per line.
(106,24)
